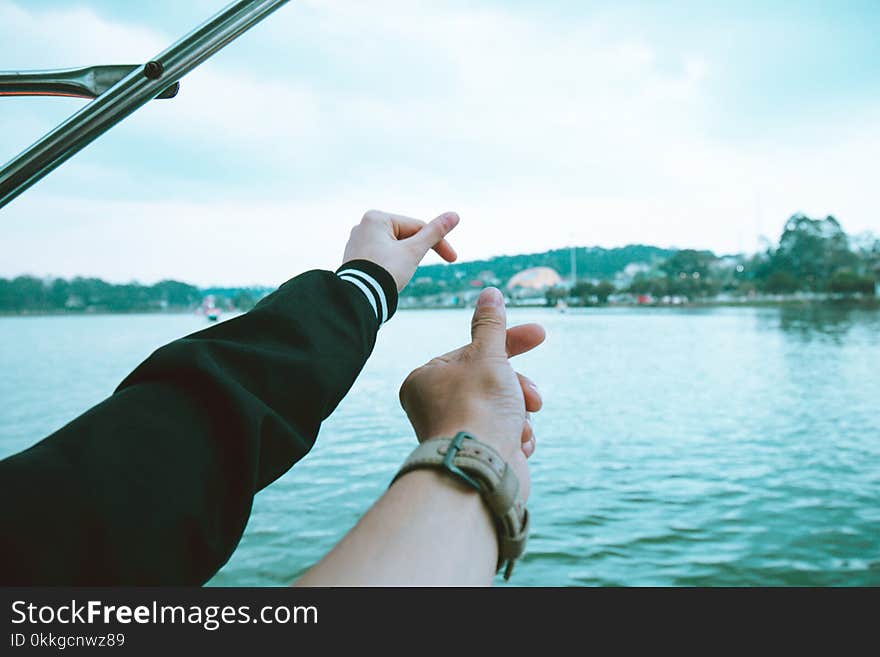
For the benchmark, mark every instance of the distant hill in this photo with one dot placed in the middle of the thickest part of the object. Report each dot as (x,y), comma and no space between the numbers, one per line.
(814,256)
(591,262)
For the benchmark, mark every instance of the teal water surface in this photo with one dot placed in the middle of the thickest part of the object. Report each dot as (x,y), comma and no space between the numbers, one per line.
(728,446)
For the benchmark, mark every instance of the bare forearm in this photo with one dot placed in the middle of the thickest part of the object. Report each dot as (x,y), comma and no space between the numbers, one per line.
(427,529)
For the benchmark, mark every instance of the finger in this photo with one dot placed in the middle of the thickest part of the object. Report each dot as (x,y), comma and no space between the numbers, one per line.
(529,448)
(400,225)
(528,431)
(432,234)
(523,338)
(488,327)
(531,396)
(379,217)
(406,227)
(445,250)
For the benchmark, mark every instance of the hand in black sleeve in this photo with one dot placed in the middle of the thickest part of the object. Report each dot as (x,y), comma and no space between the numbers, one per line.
(155,484)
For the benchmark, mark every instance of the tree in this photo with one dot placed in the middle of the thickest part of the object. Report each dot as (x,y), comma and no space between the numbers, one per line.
(868,250)
(176,294)
(604,290)
(847,282)
(59,293)
(553,295)
(583,291)
(243,301)
(812,250)
(28,293)
(688,262)
(688,273)
(781,282)
(656,287)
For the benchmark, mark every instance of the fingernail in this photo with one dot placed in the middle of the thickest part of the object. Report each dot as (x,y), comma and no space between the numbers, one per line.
(491,296)
(451,220)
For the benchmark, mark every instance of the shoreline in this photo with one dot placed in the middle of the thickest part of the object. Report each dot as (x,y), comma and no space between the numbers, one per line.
(868,303)
(865,303)
(95,313)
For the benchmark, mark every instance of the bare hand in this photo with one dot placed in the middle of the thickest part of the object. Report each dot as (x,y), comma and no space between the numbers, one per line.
(399,243)
(475,389)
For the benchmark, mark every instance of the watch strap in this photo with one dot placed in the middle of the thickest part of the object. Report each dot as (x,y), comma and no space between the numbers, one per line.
(481,467)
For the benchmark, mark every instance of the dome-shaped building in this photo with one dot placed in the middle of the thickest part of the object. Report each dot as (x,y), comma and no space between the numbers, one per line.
(535,280)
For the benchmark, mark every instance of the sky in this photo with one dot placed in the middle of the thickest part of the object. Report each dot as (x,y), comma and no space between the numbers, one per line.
(543,124)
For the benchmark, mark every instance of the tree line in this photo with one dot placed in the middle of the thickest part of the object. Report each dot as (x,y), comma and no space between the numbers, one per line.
(29,294)
(812,256)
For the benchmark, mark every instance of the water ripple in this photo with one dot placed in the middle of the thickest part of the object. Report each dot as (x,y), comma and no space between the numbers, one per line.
(726,447)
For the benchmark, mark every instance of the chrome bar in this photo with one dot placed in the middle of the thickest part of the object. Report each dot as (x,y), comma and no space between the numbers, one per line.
(134,90)
(88,82)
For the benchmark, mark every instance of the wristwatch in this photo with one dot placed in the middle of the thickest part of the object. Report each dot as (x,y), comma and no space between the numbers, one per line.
(479,466)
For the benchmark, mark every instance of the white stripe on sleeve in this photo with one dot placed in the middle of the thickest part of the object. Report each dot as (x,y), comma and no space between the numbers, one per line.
(363,288)
(374,284)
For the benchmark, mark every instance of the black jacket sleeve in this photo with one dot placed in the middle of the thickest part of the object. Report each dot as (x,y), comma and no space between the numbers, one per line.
(155,484)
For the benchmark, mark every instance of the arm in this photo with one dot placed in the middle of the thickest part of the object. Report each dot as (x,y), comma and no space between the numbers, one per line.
(155,484)
(428,529)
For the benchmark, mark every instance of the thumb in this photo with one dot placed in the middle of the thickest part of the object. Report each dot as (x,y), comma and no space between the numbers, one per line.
(489,325)
(434,231)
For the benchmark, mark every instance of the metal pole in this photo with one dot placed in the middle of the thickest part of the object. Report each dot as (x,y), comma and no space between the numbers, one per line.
(89,82)
(134,90)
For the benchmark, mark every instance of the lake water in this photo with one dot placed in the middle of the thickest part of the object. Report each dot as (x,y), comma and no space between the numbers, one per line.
(728,446)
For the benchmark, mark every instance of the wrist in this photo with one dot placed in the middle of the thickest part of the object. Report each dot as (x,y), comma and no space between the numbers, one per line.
(470,462)
(447,507)
(463,497)
(506,443)
(375,283)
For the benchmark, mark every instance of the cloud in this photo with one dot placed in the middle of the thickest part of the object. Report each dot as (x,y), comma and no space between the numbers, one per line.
(71,36)
(540,131)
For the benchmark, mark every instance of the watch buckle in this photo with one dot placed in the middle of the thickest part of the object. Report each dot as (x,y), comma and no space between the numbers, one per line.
(448,458)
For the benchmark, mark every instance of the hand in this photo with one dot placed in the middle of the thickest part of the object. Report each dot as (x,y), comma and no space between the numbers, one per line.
(475,389)
(399,243)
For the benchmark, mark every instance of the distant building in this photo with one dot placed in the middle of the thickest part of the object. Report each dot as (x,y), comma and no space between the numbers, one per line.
(623,279)
(533,282)
(728,262)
